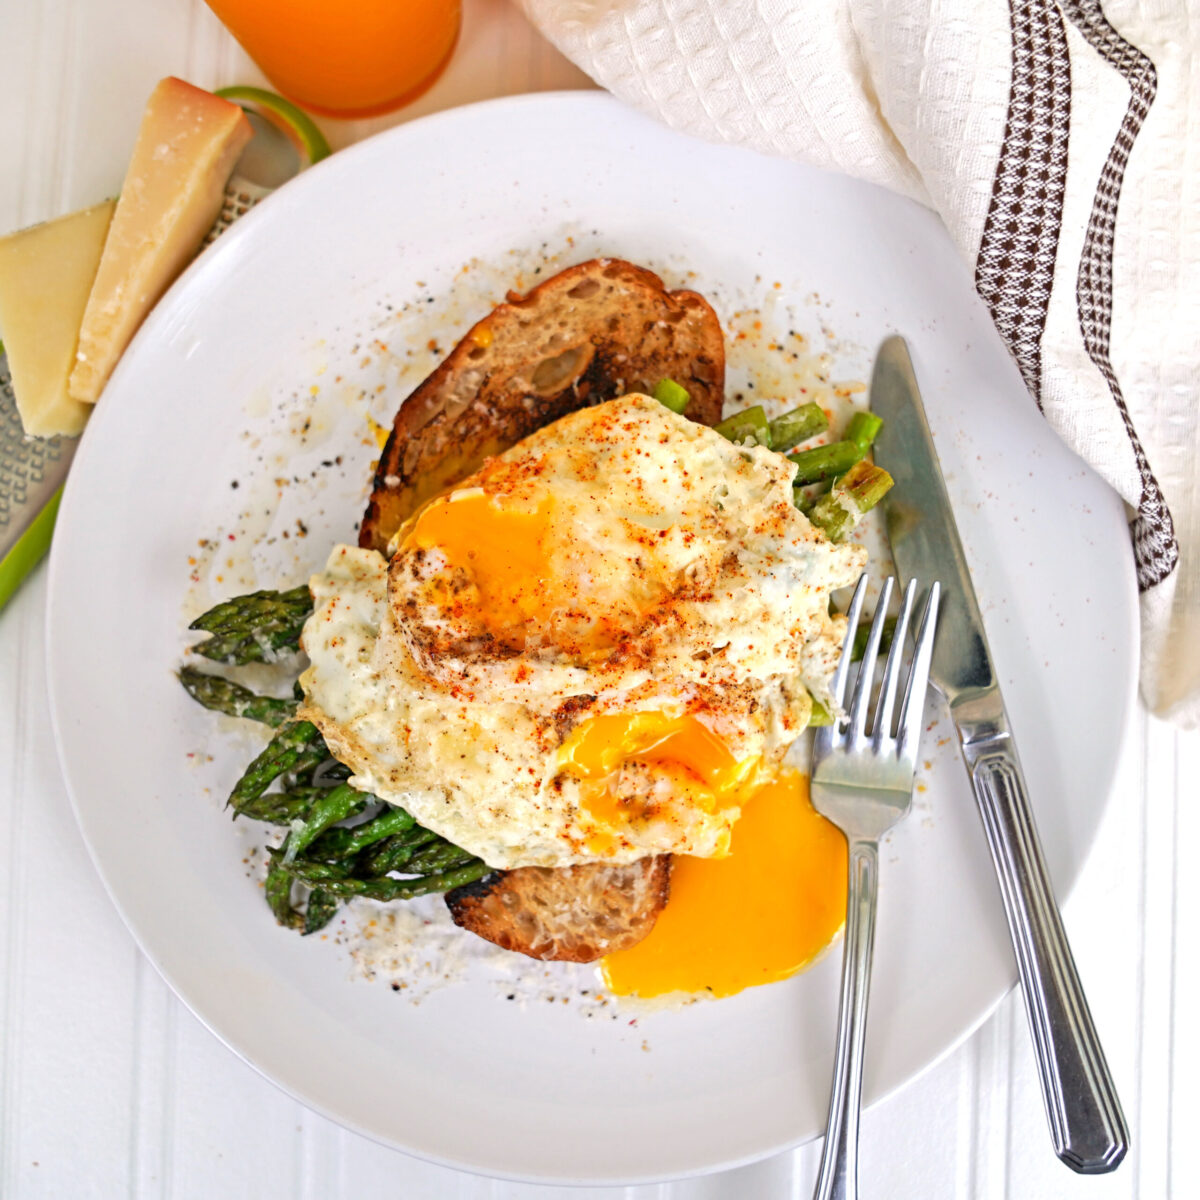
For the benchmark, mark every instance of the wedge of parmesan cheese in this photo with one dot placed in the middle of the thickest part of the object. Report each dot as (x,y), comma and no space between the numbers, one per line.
(46,275)
(185,152)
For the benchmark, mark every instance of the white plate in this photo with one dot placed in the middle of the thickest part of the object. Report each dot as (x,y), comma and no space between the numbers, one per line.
(283,304)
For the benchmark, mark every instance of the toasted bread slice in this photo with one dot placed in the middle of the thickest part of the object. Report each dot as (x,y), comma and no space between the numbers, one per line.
(572,914)
(593,332)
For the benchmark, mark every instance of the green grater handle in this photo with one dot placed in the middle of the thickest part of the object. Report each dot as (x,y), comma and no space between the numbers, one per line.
(29,549)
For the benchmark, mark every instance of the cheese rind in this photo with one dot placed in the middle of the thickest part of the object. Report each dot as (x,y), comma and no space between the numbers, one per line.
(185,152)
(46,275)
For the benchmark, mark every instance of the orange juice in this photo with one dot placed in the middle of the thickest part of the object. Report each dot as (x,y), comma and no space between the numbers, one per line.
(345,58)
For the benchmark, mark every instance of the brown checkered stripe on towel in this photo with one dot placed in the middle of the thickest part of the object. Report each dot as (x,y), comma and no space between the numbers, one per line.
(1015,269)
(1155,549)
(1014,272)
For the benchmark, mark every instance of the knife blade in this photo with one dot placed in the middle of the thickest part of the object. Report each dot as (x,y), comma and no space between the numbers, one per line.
(1086,1122)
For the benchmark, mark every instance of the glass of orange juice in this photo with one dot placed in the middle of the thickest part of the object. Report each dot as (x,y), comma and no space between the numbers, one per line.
(346,58)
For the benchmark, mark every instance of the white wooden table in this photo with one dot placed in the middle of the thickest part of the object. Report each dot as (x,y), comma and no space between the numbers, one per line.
(111,1088)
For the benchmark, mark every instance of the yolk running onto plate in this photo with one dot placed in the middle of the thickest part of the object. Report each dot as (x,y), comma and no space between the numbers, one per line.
(755,916)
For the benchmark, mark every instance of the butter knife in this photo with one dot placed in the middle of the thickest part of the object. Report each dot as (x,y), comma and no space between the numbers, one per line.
(1086,1121)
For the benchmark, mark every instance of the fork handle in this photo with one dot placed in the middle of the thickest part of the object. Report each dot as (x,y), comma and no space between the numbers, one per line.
(838,1177)
(1086,1122)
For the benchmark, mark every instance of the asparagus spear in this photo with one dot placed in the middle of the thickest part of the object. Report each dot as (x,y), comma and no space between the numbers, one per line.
(314,874)
(390,888)
(820,715)
(225,696)
(258,643)
(278,890)
(253,628)
(282,808)
(408,854)
(437,856)
(320,910)
(335,805)
(864,632)
(296,747)
(336,880)
(798,426)
(327,774)
(749,425)
(855,493)
(336,844)
(671,395)
(394,853)
(824,462)
(238,612)
(438,864)
(863,429)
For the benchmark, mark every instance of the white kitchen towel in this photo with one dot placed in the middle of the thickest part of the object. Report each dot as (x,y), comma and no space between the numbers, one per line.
(1059,142)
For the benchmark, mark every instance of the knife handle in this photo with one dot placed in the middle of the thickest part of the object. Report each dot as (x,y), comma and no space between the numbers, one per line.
(1086,1121)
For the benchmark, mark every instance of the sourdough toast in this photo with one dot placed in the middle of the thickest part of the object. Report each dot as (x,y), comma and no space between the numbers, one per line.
(572,914)
(593,332)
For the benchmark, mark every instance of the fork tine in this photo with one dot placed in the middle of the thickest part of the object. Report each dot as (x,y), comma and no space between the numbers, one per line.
(918,678)
(837,687)
(866,668)
(891,673)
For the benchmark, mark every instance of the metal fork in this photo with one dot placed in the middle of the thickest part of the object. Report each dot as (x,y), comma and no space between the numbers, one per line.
(863,783)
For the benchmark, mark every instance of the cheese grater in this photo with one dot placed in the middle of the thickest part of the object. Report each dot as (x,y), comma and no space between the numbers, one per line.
(33,470)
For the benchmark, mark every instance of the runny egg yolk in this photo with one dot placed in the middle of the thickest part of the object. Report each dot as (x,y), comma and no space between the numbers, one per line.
(755,916)
(683,749)
(502,550)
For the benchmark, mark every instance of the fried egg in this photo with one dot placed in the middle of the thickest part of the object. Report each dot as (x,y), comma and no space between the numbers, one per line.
(599,647)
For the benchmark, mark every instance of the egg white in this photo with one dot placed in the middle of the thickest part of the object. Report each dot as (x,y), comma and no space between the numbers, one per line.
(649,509)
